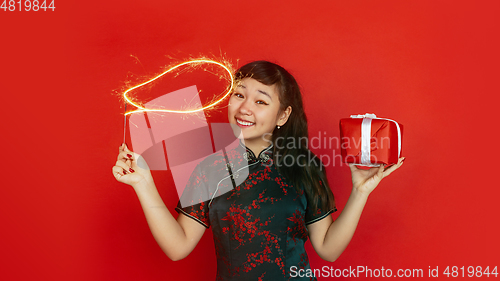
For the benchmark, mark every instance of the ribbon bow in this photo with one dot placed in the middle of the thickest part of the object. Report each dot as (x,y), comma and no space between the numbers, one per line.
(367,115)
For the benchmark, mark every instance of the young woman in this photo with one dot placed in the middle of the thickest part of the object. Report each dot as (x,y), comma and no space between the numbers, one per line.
(261,223)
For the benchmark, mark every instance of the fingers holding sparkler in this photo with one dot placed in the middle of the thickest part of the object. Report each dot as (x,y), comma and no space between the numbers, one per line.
(126,168)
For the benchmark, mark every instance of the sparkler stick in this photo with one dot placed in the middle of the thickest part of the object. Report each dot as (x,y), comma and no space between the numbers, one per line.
(124,123)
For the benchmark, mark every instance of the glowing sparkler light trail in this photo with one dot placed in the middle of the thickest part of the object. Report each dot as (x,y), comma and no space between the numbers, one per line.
(143,109)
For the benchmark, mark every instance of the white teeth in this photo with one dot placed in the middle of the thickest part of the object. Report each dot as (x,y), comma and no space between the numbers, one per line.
(244,123)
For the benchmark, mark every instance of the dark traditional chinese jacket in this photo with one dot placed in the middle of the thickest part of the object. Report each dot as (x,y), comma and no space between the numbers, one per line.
(257,217)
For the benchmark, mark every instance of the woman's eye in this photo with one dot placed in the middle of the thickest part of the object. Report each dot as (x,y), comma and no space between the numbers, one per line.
(238,95)
(262,102)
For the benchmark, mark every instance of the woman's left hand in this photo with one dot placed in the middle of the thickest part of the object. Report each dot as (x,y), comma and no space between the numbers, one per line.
(365,181)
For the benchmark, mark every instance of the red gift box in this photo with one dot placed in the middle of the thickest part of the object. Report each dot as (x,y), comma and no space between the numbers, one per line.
(370,141)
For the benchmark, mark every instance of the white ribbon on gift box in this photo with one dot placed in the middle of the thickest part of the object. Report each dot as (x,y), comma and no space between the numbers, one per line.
(366,134)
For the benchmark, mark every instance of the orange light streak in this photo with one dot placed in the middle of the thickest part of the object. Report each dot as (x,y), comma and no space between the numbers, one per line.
(143,109)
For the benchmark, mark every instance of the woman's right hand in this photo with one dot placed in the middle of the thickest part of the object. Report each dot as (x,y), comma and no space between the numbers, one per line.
(128,171)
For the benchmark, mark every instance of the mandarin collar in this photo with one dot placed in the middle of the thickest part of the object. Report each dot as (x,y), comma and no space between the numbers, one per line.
(264,156)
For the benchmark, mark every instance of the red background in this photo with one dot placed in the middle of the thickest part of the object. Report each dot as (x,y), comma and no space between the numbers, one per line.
(431,65)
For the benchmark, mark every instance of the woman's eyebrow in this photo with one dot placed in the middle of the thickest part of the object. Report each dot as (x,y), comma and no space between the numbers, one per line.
(262,92)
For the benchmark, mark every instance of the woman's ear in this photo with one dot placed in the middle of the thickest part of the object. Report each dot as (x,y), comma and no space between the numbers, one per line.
(283,117)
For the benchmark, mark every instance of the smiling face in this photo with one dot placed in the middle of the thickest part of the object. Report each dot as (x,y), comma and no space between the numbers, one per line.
(255,109)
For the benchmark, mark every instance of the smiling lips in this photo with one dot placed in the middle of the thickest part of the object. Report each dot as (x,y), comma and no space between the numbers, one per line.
(242,123)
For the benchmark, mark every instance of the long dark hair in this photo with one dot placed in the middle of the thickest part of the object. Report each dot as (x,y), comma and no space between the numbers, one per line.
(291,140)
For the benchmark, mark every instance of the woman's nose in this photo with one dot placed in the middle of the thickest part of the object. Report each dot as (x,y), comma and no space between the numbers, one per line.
(245,108)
